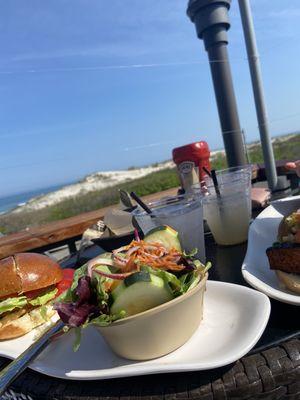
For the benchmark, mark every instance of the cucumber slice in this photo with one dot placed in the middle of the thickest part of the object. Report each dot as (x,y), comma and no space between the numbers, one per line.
(165,235)
(141,276)
(140,294)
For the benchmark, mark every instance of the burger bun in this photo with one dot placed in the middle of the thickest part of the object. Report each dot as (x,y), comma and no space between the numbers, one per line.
(20,322)
(25,272)
(290,281)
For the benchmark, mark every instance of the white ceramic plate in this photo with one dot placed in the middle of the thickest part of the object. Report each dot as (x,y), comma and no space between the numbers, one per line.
(262,233)
(234,319)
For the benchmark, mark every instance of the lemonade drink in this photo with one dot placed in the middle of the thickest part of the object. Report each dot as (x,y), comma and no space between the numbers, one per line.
(228,215)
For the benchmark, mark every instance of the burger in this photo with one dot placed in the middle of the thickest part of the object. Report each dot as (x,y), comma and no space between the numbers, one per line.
(28,283)
(284,255)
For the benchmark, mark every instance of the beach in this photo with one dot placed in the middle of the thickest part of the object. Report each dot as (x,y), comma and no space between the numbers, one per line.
(92,182)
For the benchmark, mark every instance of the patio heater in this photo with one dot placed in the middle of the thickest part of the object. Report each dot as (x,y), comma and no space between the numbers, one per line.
(211,20)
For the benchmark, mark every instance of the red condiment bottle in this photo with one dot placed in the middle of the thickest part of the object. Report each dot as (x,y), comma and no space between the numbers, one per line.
(190,160)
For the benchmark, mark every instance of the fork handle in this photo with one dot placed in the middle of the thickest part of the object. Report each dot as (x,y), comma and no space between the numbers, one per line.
(14,369)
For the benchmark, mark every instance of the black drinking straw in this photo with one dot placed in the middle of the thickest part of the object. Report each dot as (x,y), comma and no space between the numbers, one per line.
(215,181)
(207,171)
(141,203)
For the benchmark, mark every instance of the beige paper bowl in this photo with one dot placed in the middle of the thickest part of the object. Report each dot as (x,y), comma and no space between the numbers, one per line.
(158,331)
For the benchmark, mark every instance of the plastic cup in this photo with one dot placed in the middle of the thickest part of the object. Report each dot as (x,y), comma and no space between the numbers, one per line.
(228,215)
(183,213)
(234,173)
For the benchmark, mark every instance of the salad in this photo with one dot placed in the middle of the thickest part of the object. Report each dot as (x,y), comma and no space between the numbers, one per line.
(130,280)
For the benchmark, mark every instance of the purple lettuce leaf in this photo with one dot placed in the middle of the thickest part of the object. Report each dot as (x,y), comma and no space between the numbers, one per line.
(83,290)
(76,313)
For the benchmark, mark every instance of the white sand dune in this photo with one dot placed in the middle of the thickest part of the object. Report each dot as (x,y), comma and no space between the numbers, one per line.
(96,181)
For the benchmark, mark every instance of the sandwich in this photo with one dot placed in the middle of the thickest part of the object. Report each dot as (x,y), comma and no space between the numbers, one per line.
(28,284)
(284,255)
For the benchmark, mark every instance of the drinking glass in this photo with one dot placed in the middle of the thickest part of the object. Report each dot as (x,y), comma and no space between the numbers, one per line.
(184,213)
(234,173)
(228,212)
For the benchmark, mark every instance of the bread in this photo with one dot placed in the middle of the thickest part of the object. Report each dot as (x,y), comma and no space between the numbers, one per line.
(286,259)
(20,322)
(290,281)
(284,256)
(25,272)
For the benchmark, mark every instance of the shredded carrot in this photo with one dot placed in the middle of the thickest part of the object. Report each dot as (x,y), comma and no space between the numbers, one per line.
(153,254)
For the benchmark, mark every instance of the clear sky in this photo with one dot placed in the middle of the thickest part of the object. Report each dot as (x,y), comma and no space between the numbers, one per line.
(89,85)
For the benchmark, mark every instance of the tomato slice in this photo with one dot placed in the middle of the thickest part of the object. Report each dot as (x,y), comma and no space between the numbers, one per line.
(68,273)
(66,281)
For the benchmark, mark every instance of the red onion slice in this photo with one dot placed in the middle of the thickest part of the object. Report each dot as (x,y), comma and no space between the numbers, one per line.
(120,249)
(136,235)
(113,276)
(119,260)
(98,261)
(132,250)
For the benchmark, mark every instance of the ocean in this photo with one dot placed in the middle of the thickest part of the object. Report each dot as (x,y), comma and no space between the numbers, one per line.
(9,202)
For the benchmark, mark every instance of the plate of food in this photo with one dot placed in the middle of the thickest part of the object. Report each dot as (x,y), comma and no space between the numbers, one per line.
(272,262)
(147,308)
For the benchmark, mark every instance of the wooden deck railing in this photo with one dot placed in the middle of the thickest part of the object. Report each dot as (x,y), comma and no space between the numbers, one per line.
(56,233)
(69,230)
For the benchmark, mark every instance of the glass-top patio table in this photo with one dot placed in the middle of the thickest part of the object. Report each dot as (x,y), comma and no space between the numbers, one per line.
(270,371)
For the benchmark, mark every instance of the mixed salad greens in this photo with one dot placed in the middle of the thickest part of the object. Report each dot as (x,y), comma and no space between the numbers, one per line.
(130,280)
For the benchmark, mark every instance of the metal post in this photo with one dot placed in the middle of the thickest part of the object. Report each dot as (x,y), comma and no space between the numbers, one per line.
(211,21)
(258,92)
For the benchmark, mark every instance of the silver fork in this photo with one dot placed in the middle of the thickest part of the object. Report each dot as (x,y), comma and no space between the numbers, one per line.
(13,369)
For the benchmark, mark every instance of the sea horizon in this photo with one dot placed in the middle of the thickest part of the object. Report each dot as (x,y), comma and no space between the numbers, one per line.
(10,202)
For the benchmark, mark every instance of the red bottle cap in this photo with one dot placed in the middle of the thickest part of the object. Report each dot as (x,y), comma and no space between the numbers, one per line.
(197,152)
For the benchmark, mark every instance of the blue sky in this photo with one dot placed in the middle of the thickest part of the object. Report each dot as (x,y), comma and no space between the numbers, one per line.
(89,85)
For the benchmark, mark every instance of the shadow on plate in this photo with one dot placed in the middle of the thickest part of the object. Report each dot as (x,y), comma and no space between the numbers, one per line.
(114,242)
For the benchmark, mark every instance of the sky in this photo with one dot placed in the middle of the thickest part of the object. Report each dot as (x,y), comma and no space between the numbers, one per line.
(92,85)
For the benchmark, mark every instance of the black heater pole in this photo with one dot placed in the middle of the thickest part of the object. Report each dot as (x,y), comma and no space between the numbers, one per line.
(211,20)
